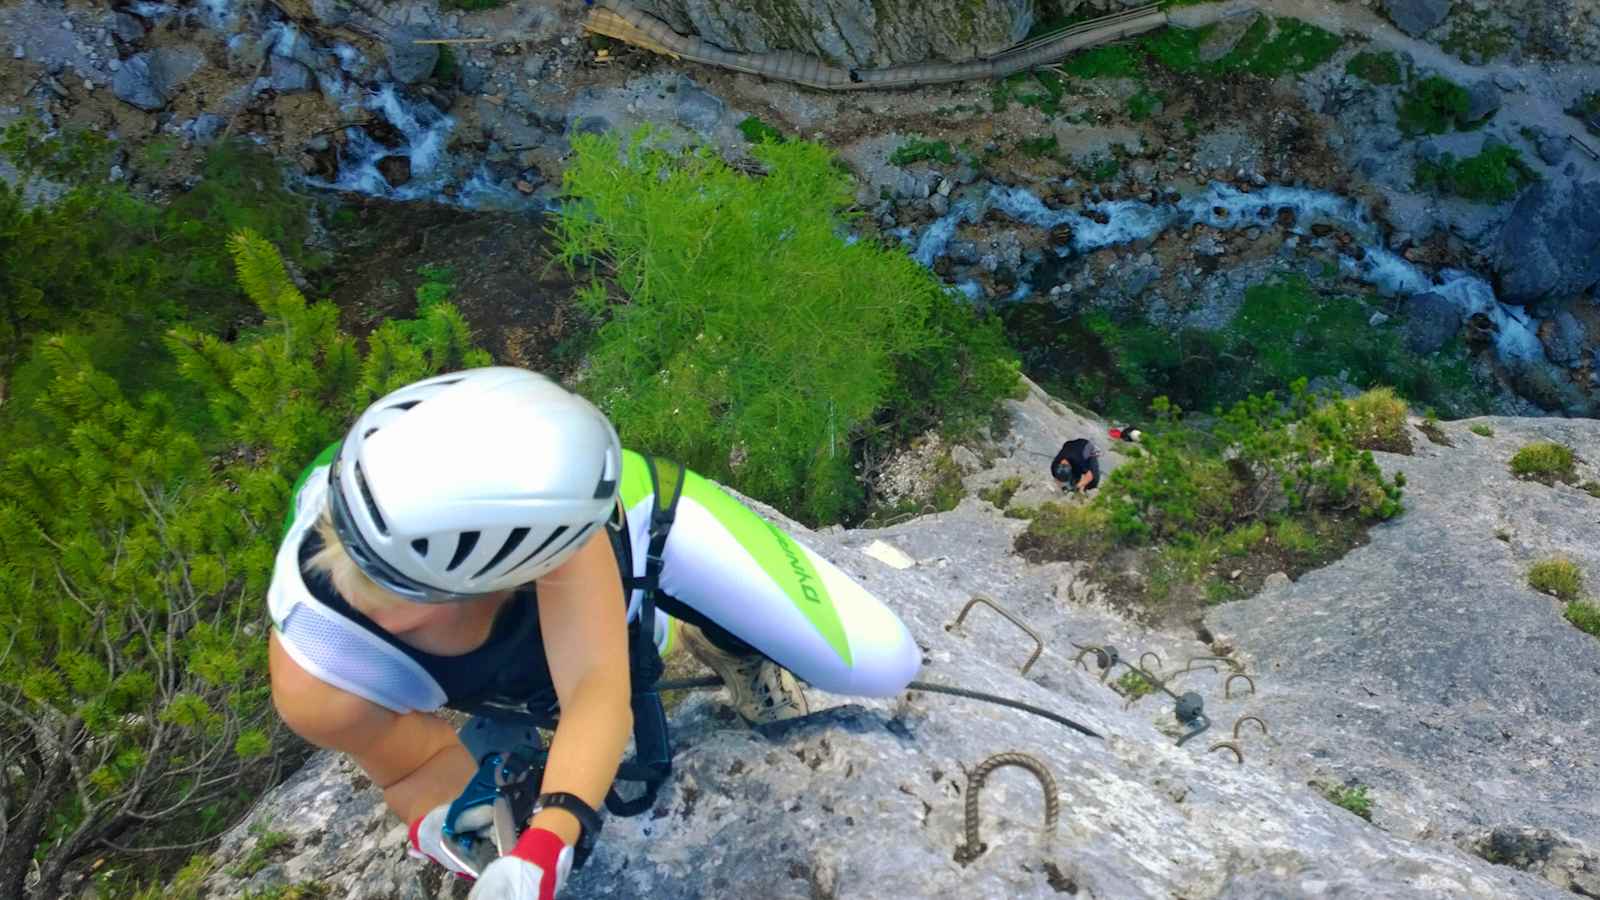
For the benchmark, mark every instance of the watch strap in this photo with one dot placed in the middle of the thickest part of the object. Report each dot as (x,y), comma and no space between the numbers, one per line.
(589,821)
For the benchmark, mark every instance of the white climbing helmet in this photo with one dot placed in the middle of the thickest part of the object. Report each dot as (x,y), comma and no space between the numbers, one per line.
(472,482)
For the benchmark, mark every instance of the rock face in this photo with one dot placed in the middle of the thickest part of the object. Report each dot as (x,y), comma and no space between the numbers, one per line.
(1417,16)
(851,33)
(410,62)
(1551,244)
(151,79)
(1431,321)
(1465,711)
(1424,666)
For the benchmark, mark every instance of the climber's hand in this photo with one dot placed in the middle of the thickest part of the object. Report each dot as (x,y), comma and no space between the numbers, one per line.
(533,870)
(427,834)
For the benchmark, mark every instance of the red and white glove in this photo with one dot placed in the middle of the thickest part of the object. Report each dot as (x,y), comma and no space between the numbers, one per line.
(534,869)
(427,834)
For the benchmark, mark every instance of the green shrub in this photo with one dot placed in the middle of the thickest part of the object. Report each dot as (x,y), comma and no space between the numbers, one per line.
(1587,109)
(1481,429)
(736,316)
(756,131)
(1493,176)
(1064,531)
(1584,616)
(1104,169)
(445,67)
(137,546)
(1375,66)
(1294,538)
(1113,61)
(1433,105)
(1592,488)
(918,150)
(1378,421)
(1000,495)
(1354,799)
(1302,457)
(267,843)
(1558,576)
(1546,462)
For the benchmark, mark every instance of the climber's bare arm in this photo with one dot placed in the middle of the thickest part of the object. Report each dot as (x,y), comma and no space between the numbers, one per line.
(584,622)
(415,758)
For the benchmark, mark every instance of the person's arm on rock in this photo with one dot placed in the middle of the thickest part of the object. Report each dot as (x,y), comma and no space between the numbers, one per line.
(583,618)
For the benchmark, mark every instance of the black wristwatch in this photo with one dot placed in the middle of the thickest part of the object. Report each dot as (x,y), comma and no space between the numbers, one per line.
(588,822)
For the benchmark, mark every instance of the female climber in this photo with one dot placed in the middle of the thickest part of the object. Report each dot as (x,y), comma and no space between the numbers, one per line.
(467,546)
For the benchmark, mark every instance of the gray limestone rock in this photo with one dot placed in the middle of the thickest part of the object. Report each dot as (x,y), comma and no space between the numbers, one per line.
(127,28)
(697,109)
(1424,666)
(287,76)
(851,33)
(1415,17)
(1483,100)
(410,62)
(331,13)
(1550,246)
(1431,321)
(1564,337)
(150,80)
(1419,666)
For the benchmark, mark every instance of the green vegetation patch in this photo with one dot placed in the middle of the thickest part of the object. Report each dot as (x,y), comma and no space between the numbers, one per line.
(1473,39)
(702,350)
(1039,147)
(1481,429)
(1375,66)
(1204,514)
(1557,576)
(1584,616)
(1546,462)
(918,150)
(1000,495)
(1351,798)
(756,131)
(1134,685)
(445,68)
(1109,61)
(267,845)
(1433,105)
(1287,327)
(471,5)
(1270,48)
(1494,176)
(121,519)
(1143,105)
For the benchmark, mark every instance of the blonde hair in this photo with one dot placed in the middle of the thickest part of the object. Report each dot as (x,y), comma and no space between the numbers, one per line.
(348,579)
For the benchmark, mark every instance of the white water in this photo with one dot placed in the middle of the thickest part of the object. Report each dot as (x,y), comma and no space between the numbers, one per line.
(1227,208)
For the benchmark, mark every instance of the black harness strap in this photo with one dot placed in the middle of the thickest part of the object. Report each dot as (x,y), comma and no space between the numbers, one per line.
(652,762)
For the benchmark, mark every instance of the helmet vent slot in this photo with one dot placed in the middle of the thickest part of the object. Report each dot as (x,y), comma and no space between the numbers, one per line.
(406,405)
(469,539)
(420,545)
(517,534)
(372,505)
(540,549)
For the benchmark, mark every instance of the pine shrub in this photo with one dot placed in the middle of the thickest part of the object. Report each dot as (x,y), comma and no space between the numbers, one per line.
(136,551)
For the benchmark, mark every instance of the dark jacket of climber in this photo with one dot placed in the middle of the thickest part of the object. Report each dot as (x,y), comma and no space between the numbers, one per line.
(1077,465)
(480,541)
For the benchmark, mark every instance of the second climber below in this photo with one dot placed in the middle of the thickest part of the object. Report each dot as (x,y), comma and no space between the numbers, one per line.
(467,546)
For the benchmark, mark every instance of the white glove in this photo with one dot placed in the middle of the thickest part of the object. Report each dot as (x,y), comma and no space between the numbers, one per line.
(427,834)
(534,870)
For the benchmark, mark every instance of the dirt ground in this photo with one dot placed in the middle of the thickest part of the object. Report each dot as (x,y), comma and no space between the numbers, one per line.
(517,300)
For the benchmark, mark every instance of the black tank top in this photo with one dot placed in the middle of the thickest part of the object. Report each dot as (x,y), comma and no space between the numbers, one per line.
(508,676)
